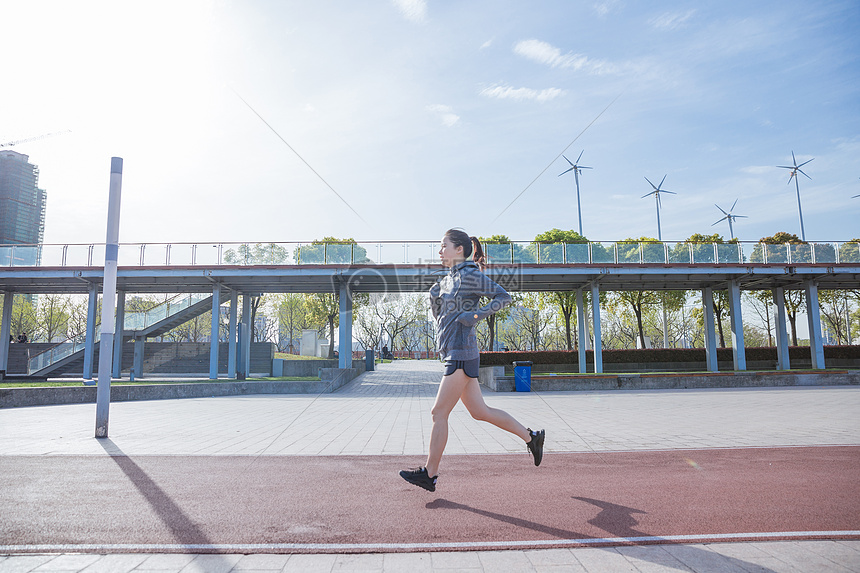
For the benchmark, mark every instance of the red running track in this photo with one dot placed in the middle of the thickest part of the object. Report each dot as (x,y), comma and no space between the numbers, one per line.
(336,504)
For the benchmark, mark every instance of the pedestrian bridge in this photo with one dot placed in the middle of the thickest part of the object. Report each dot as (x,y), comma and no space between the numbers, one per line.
(245,269)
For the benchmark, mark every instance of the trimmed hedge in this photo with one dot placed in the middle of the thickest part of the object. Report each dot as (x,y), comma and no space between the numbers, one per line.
(650,355)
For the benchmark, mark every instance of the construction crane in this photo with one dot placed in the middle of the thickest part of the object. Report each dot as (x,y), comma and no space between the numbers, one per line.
(37,138)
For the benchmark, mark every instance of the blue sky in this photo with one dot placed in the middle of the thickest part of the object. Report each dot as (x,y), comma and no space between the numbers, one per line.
(428,115)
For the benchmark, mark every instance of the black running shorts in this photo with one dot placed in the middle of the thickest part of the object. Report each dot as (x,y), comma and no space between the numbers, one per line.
(470,367)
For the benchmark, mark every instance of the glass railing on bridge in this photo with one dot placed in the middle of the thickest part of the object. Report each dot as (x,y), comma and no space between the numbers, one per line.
(426,252)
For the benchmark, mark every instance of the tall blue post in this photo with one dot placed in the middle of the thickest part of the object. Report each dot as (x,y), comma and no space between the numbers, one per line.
(245,337)
(231,334)
(5,328)
(580,327)
(710,330)
(783,362)
(213,339)
(117,341)
(598,342)
(813,317)
(108,299)
(739,352)
(90,336)
(344,327)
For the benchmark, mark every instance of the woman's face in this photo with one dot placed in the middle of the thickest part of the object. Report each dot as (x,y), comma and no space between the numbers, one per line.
(450,254)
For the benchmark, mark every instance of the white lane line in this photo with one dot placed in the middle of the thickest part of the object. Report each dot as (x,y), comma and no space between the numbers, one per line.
(339,547)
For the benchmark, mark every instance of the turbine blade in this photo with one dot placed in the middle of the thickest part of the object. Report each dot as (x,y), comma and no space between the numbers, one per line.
(793,160)
(785,167)
(652,185)
(721,209)
(807,176)
(740,217)
(855,196)
(805,162)
(568,171)
(664,191)
(733,206)
(566,159)
(662,180)
(647,194)
(580,156)
(584,167)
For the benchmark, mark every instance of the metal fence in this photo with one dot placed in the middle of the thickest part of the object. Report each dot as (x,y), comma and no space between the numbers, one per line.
(426,252)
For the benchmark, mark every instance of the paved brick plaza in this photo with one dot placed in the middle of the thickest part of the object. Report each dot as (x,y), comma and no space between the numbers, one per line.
(387,413)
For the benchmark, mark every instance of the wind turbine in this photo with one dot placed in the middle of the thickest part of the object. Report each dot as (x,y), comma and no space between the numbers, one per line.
(656,193)
(855,196)
(795,169)
(575,167)
(729,217)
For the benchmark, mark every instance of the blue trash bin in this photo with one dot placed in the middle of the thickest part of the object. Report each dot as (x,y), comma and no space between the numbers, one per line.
(368,360)
(523,376)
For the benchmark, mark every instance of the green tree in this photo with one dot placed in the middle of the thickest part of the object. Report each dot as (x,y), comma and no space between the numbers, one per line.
(564,302)
(292,312)
(637,301)
(24,318)
(330,250)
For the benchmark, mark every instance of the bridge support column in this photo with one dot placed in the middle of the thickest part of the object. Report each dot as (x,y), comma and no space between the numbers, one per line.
(117,341)
(739,356)
(231,335)
(582,333)
(344,327)
(710,330)
(5,329)
(813,316)
(214,332)
(782,359)
(90,337)
(598,343)
(245,338)
(139,347)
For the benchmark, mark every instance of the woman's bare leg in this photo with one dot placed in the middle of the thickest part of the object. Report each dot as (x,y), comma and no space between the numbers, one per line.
(474,402)
(446,398)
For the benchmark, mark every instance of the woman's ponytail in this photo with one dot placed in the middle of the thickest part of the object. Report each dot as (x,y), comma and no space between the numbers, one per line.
(478,251)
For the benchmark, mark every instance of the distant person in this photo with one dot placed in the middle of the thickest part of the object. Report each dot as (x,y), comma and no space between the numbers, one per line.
(454,302)
(386,354)
(22,338)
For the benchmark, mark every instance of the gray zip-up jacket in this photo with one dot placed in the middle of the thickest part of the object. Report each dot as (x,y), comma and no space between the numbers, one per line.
(454,301)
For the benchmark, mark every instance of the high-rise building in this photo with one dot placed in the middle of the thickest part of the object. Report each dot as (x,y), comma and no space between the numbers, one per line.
(22,203)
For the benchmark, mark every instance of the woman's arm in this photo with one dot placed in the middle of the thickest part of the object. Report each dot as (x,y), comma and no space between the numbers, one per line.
(479,284)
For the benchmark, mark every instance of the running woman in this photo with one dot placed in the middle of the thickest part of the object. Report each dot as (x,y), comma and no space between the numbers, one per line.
(454,302)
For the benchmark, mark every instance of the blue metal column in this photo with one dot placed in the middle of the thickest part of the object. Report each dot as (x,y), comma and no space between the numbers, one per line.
(710,330)
(739,356)
(782,359)
(231,334)
(580,327)
(89,341)
(139,347)
(5,327)
(213,337)
(344,327)
(598,343)
(119,331)
(245,355)
(813,316)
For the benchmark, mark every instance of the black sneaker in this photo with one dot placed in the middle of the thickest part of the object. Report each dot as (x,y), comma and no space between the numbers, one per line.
(535,446)
(420,478)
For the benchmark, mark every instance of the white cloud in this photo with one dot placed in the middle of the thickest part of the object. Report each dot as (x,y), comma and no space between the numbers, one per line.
(445,114)
(605,7)
(671,21)
(548,54)
(412,10)
(487,44)
(519,94)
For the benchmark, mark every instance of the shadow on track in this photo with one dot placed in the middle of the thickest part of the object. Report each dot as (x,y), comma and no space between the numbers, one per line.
(183,529)
(619,521)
